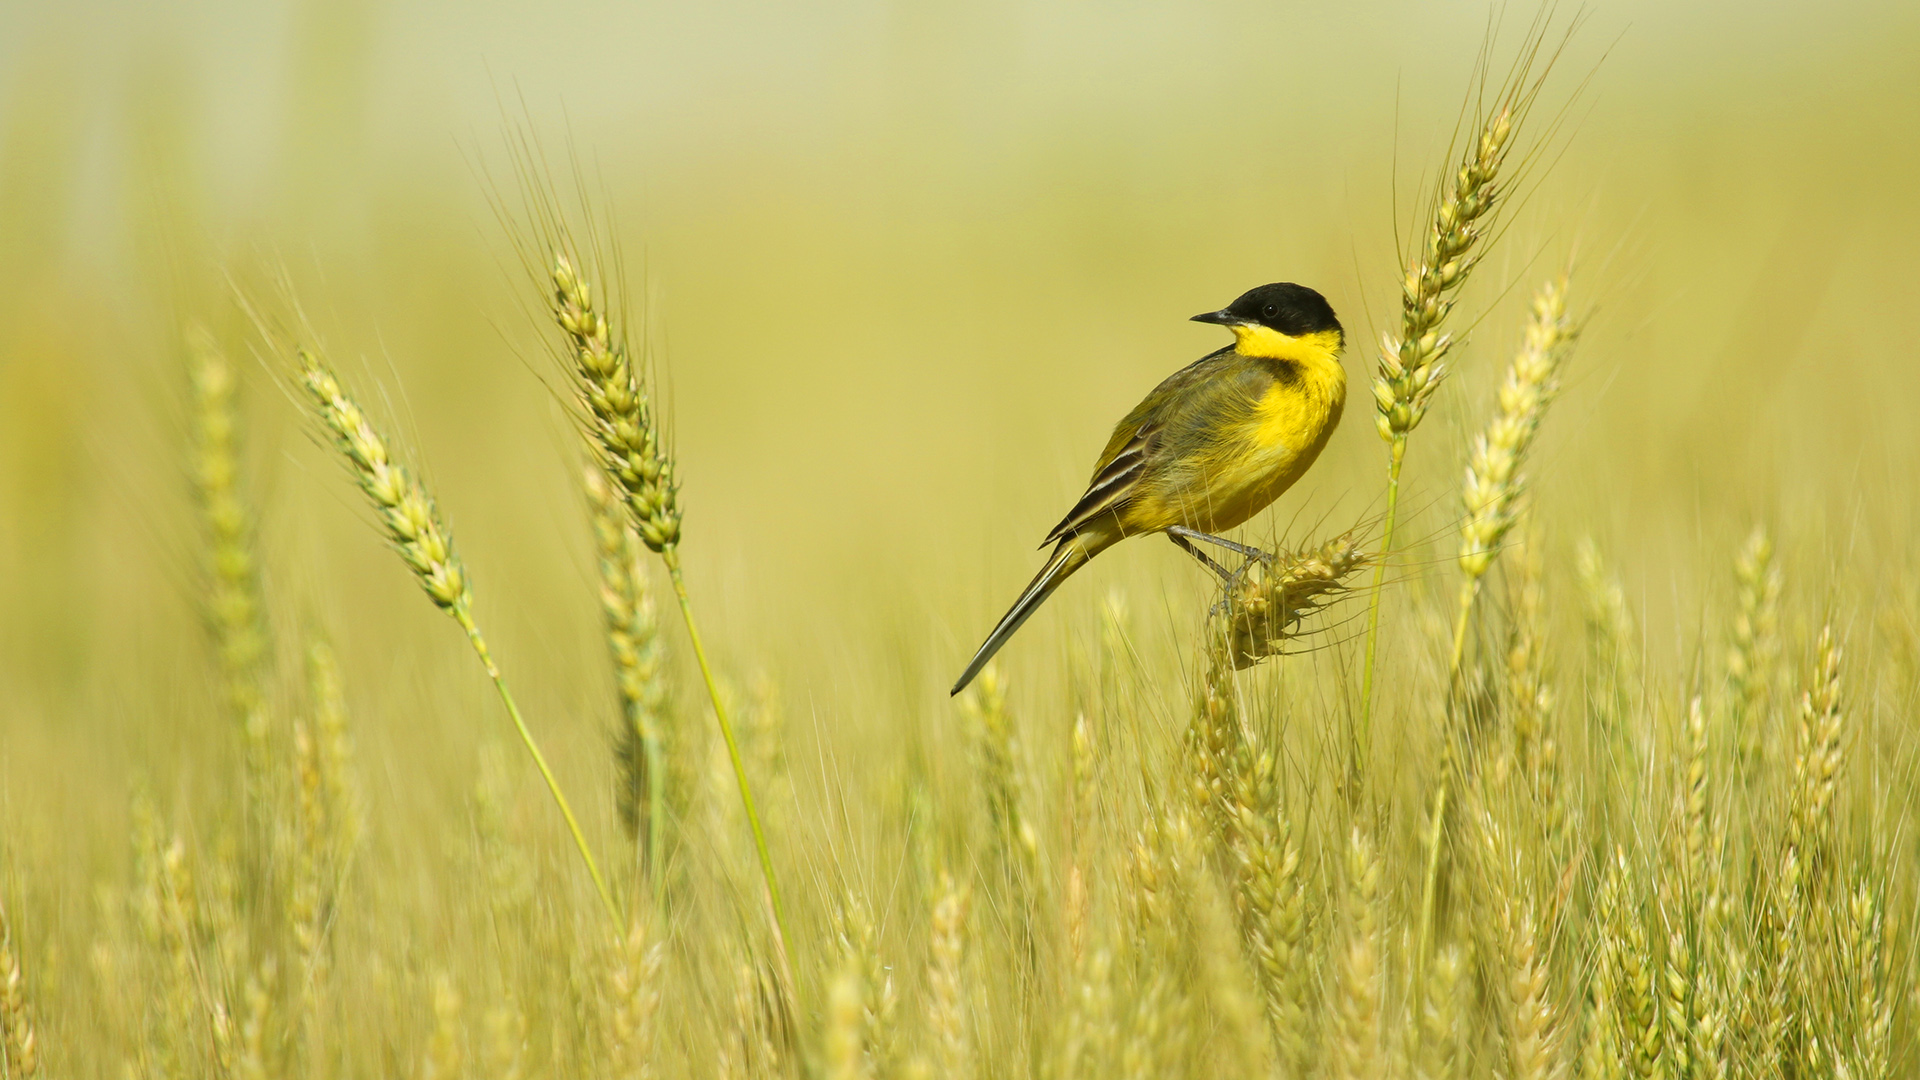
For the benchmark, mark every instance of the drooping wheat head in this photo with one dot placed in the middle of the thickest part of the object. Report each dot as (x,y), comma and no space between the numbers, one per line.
(1266,603)
(405,510)
(615,407)
(412,525)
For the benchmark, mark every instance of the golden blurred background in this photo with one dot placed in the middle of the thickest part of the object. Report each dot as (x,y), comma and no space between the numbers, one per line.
(908,262)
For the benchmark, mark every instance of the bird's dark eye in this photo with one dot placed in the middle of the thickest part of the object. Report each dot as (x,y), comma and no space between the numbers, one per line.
(1270,311)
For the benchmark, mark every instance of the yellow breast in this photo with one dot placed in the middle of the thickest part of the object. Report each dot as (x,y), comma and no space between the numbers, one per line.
(1245,466)
(1281,439)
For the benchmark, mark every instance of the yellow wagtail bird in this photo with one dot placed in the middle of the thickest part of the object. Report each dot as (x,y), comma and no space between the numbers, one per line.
(1209,448)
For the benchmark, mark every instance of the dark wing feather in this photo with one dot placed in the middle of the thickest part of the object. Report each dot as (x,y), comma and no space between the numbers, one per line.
(1131,449)
(1112,484)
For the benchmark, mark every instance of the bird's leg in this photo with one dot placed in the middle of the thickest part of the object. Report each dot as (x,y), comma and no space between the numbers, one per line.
(1180,532)
(1185,545)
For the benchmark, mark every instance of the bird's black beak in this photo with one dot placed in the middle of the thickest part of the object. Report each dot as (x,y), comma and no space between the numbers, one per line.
(1220,317)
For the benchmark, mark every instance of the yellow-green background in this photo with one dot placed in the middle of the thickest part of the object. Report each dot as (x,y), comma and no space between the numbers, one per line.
(908,262)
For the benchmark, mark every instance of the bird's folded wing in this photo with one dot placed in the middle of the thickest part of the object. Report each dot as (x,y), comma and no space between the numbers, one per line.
(1112,485)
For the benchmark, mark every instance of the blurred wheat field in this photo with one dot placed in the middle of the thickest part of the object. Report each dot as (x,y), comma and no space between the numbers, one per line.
(262,814)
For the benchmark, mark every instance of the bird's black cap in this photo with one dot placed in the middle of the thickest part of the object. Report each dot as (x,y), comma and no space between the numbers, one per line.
(1293,310)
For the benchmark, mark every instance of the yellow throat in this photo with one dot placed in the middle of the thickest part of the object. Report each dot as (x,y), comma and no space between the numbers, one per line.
(1252,339)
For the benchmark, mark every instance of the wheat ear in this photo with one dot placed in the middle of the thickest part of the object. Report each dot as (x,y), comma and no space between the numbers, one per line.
(1491,494)
(1359,975)
(412,524)
(1266,602)
(1495,482)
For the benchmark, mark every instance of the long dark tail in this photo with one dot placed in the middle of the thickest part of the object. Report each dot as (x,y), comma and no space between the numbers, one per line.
(1071,554)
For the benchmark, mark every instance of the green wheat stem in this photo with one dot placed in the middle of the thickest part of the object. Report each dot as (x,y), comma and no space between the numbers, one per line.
(1430,883)
(656,815)
(1429,887)
(1362,747)
(671,556)
(539,760)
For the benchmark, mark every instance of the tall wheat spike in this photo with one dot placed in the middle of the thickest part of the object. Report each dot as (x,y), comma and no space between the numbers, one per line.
(1412,356)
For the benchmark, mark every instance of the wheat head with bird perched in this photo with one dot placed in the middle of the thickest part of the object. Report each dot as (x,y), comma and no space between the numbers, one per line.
(1211,446)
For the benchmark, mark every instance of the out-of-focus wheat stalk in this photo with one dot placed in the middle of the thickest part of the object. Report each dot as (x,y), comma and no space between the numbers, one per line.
(634,990)
(445,1058)
(413,526)
(1016,844)
(639,658)
(19,1046)
(234,611)
(859,949)
(844,1047)
(1440,1028)
(946,988)
(1754,648)
(1817,766)
(1359,970)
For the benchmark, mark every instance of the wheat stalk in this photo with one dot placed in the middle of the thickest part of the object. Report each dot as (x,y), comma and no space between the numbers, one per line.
(1754,647)
(1412,356)
(413,526)
(1495,482)
(1491,493)
(19,1045)
(624,436)
(946,991)
(233,608)
(1355,1033)
(639,658)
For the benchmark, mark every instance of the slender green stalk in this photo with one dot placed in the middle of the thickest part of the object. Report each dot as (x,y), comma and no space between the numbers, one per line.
(1363,736)
(671,556)
(466,622)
